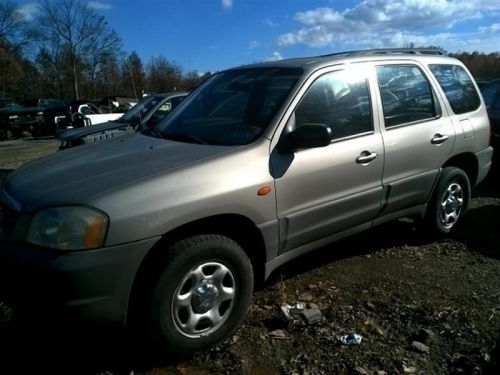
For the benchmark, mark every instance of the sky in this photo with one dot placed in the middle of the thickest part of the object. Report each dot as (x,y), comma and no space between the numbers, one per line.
(211,35)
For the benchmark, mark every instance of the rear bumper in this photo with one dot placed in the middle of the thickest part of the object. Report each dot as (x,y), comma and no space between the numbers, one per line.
(90,285)
(484,158)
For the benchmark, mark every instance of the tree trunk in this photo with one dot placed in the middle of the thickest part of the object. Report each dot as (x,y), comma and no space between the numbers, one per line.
(75,83)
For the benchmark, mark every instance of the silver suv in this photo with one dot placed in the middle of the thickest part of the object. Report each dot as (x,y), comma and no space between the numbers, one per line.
(262,163)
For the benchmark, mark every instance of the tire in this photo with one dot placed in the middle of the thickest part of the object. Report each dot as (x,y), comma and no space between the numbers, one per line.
(202,294)
(450,201)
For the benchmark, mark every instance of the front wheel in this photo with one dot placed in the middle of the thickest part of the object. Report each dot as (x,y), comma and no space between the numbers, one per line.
(449,202)
(201,295)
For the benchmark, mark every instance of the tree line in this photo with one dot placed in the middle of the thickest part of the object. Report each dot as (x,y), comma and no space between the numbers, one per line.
(69,52)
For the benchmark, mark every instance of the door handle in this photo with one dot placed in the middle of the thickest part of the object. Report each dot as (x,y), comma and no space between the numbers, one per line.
(366,156)
(439,138)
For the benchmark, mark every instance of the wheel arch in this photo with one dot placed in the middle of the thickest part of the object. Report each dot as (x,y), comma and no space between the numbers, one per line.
(237,227)
(466,162)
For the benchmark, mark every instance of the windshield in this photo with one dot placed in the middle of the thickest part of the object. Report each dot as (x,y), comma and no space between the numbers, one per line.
(141,109)
(232,108)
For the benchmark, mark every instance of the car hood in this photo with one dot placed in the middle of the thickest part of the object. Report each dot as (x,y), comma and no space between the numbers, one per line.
(78,175)
(77,133)
(21,110)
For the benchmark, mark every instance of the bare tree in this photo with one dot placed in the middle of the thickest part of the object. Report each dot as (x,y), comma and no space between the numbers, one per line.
(133,75)
(72,28)
(14,35)
(14,31)
(162,75)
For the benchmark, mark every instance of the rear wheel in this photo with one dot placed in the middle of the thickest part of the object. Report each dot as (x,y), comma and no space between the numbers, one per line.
(449,202)
(201,295)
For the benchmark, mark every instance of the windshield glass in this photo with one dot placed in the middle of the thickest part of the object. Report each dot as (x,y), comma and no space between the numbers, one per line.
(232,108)
(141,109)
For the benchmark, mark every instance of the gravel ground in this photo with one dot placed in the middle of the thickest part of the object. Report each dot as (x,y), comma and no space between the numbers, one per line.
(421,306)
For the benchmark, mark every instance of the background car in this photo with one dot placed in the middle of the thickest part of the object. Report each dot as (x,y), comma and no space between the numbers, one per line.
(17,120)
(491,96)
(84,113)
(51,109)
(145,114)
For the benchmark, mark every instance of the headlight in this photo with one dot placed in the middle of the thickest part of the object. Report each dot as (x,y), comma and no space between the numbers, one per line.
(68,228)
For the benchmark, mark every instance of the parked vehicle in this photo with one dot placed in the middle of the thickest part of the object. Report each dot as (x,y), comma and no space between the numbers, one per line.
(114,104)
(51,109)
(84,113)
(17,121)
(145,114)
(491,95)
(170,227)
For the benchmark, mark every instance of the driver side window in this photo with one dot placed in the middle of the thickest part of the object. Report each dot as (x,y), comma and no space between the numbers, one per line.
(339,100)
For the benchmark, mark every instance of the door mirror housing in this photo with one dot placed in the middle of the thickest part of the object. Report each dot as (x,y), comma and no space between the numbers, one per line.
(304,137)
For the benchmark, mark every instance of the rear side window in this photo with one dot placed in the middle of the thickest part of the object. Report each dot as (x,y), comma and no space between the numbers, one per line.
(339,100)
(406,94)
(457,86)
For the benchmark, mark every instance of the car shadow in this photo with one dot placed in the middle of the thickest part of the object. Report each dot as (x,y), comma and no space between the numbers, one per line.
(479,231)
(70,348)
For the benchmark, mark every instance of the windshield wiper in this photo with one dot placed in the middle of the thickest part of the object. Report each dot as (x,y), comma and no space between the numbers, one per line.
(183,137)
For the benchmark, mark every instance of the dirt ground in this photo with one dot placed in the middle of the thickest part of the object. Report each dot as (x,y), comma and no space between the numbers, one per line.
(421,306)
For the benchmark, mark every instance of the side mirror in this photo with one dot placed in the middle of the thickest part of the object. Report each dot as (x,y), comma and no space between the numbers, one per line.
(304,137)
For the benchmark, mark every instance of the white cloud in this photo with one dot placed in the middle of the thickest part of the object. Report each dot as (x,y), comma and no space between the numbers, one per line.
(28,11)
(99,5)
(254,44)
(270,23)
(494,28)
(275,56)
(372,23)
(227,4)
(489,6)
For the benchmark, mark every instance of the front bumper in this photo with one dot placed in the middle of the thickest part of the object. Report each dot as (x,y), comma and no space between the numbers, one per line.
(93,285)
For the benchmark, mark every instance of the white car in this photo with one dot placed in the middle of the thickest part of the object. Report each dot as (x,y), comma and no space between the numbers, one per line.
(95,115)
(86,114)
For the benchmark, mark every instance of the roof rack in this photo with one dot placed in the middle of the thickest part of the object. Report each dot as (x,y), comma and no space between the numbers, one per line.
(391,51)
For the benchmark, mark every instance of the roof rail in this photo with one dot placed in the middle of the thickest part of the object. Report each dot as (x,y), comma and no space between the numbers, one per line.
(392,51)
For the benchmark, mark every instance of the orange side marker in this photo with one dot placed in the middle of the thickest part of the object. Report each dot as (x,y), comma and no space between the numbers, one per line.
(264,190)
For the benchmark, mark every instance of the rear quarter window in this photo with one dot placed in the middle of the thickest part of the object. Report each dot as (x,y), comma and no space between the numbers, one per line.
(457,86)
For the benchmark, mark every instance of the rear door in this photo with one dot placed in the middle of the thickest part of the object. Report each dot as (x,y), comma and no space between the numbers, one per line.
(418,138)
(323,191)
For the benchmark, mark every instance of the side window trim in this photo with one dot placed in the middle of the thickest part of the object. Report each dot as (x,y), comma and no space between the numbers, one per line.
(438,111)
(328,74)
(438,69)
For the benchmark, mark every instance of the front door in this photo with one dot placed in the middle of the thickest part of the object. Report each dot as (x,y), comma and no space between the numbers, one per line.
(326,190)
